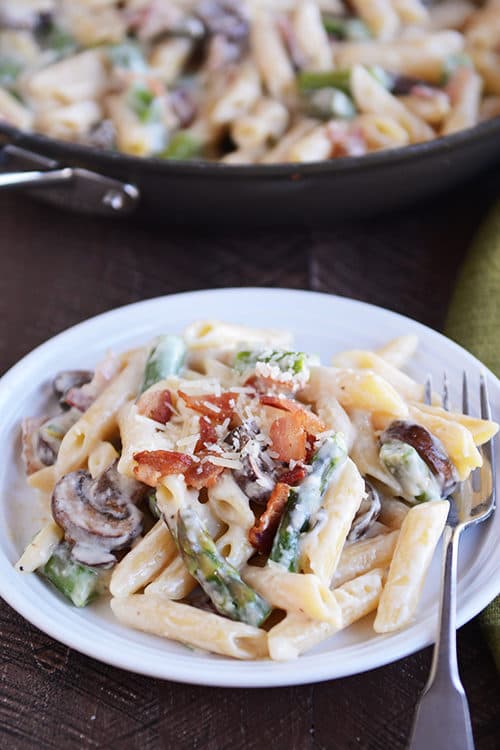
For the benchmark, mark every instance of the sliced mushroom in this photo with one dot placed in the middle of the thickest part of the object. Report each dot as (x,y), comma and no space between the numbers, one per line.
(68,379)
(225,18)
(98,516)
(428,447)
(257,477)
(83,396)
(42,437)
(367,514)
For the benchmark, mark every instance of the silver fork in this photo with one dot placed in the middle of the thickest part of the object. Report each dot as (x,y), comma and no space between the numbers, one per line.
(442,719)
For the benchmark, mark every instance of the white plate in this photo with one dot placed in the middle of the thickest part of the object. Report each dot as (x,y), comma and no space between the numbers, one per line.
(322,324)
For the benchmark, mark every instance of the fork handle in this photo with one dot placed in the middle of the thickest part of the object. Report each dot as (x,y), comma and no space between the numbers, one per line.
(442,720)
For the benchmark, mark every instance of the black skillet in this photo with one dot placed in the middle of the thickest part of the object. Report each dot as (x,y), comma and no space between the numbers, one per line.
(219,194)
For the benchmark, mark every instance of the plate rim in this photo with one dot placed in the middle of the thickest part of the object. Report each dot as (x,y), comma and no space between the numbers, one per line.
(242,674)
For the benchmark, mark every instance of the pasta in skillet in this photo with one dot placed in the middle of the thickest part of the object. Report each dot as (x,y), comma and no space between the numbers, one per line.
(248,81)
(236,495)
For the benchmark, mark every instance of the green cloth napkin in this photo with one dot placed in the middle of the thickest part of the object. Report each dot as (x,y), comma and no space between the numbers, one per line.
(474,322)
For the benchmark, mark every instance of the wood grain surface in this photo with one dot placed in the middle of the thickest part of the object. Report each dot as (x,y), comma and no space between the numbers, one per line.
(58,269)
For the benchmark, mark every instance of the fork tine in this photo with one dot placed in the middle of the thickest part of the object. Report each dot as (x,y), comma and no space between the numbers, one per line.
(489,447)
(485,404)
(428,390)
(465,394)
(446,392)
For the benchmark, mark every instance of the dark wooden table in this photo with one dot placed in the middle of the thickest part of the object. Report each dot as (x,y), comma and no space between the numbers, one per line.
(58,269)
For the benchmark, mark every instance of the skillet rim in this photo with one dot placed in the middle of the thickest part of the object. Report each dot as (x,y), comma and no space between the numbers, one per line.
(441,146)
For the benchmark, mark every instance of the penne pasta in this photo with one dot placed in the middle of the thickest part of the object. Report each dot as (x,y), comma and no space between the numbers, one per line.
(181,622)
(296,633)
(419,533)
(294,592)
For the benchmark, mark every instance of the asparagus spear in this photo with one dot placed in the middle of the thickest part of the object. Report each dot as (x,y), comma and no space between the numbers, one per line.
(296,363)
(79,583)
(230,595)
(153,505)
(353,29)
(304,501)
(311,80)
(417,481)
(127,56)
(183,145)
(330,102)
(166,358)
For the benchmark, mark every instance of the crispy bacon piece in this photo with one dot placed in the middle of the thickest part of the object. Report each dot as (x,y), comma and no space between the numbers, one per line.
(156,405)
(203,474)
(208,434)
(294,476)
(288,437)
(153,465)
(311,422)
(262,533)
(290,434)
(265,384)
(217,408)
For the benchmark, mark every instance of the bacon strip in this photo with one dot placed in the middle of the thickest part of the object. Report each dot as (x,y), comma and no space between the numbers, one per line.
(153,465)
(208,434)
(311,422)
(288,438)
(224,405)
(294,476)
(262,533)
(156,405)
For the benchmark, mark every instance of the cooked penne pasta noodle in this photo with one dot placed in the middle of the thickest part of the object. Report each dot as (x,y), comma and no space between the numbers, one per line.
(372,97)
(13,112)
(205,334)
(321,547)
(393,512)
(365,360)
(362,390)
(380,131)
(313,146)
(398,351)
(361,557)
(296,633)
(422,57)
(103,455)
(174,582)
(432,107)
(294,592)
(181,622)
(100,421)
(465,88)
(411,11)
(144,562)
(311,35)
(266,122)
(450,14)
(271,57)
(379,16)
(39,550)
(419,533)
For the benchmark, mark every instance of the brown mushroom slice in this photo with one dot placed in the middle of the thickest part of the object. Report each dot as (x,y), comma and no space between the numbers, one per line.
(98,516)
(367,514)
(42,437)
(67,379)
(256,478)
(428,447)
(83,396)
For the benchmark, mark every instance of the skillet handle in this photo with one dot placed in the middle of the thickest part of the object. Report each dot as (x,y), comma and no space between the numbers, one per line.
(69,187)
